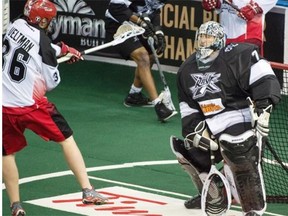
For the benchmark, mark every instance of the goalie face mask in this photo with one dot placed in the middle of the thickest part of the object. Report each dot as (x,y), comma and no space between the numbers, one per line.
(209,38)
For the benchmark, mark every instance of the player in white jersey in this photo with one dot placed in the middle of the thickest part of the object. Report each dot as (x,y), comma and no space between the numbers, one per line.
(30,69)
(243,20)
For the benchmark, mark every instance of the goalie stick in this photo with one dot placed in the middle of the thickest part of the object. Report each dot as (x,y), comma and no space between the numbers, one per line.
(125,31)
(216,194)
(166,94)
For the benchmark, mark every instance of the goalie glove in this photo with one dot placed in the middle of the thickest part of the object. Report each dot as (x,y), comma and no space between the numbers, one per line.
(263,108)
(260,115)
(262,124)
(209,5)
(145,23)
(250,10)
(70,51)
(160,42)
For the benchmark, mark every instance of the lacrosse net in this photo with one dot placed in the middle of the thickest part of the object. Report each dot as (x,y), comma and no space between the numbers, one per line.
(275,161)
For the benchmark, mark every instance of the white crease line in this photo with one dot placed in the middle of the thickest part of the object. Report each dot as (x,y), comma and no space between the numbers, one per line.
(163,191)
(108,167)
(138,186)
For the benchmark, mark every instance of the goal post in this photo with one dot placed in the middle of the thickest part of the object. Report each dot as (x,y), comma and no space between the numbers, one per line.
(285,71)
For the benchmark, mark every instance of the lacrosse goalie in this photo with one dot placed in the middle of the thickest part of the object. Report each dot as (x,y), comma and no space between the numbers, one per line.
(213,86)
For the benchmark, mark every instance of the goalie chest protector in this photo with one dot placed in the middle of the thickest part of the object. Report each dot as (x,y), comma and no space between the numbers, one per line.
(226,79)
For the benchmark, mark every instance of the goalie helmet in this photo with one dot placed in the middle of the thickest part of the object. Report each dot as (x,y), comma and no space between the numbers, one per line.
(38,11)
(209,38)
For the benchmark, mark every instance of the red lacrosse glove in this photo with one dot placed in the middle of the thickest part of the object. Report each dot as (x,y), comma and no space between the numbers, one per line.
(70,51)
(249,11)
(209,5)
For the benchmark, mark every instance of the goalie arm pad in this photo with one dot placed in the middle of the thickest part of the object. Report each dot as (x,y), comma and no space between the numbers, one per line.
(200,138)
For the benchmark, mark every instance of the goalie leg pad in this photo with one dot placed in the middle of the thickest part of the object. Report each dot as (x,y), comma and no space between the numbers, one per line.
(241,154)
(197,176)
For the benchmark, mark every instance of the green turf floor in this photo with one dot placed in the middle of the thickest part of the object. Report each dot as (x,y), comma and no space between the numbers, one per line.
(90,97)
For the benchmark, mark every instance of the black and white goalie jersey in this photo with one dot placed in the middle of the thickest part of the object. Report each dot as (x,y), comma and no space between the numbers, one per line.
(219,94)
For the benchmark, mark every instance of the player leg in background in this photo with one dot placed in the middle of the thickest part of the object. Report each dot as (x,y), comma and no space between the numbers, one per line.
(143,78)
(135,96)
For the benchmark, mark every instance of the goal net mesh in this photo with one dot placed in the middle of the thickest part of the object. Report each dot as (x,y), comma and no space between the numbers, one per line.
(275,161)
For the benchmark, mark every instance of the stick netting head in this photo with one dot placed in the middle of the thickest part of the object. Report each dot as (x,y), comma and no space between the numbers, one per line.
(127,30)
(217,201)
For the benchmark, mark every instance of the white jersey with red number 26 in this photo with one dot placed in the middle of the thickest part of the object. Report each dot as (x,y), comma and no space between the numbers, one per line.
(236,28)
(29,64)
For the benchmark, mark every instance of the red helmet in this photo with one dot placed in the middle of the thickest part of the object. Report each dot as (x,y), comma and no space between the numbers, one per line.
(37,10)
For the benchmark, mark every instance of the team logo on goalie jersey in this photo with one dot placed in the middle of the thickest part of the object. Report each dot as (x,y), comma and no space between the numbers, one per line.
(205,83)
(211,107)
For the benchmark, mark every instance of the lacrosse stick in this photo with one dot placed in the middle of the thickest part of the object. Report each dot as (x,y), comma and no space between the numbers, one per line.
(166,94)
(125,31)
(231,4)
(216,194)
(5,15)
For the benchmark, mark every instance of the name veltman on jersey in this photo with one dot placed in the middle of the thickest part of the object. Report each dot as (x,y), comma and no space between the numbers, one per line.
(30,66)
